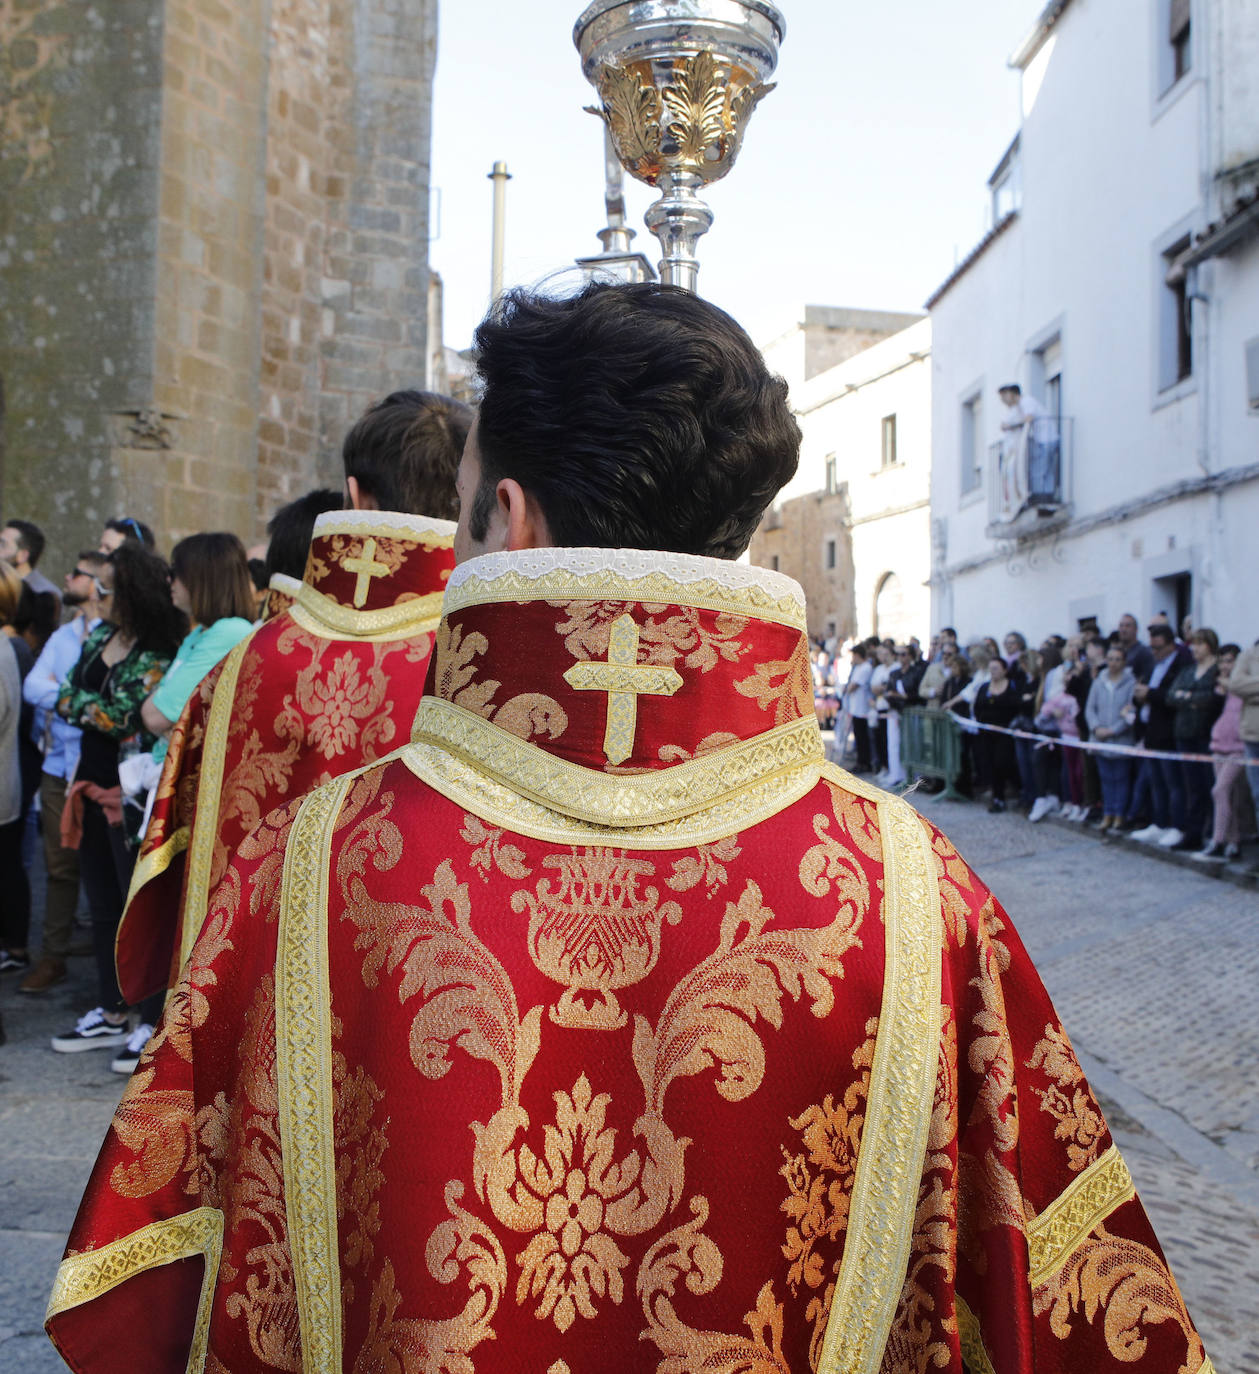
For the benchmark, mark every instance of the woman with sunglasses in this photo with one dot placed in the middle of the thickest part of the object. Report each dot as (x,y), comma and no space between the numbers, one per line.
(122,661)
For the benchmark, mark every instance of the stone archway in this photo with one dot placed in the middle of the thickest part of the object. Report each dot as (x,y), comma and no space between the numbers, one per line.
(891,618)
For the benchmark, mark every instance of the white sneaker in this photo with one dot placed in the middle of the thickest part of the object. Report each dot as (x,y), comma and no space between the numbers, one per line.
(129,1056)
(1076,813)
(1041,808)
(1170,838)
(1152,834)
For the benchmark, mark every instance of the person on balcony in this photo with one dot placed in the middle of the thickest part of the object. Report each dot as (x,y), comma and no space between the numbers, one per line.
(1030,451)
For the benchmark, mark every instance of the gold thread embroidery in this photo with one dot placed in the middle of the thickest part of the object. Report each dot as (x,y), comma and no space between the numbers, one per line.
(624,679)
(902,1081)
(485,797)
(1085,1203)
(974,1353)
(420,613)
(303,1016)
(209,794)
(594,931)
(80,1278)
(658,589)
(1127,1285)
(155,863)
(1067,1098)
(615,800)
(366,568)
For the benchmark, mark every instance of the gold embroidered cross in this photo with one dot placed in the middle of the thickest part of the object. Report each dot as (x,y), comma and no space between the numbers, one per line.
(367,568)
(624,679)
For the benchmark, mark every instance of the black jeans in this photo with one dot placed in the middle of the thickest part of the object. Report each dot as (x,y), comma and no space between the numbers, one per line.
(15,897)
(878,739)
(1198,779)
(861,738)
(1002,765)
(105,864)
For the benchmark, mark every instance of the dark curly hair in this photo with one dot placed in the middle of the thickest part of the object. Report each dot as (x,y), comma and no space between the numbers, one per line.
(638,416)
(142,606)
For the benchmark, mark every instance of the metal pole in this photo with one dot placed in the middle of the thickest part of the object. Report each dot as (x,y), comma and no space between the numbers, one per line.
(500,176)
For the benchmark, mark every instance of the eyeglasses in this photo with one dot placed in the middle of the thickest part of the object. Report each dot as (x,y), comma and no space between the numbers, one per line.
(83,572)
(101,589)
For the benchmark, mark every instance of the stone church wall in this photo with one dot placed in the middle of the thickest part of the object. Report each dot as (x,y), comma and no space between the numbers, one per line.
(213,250)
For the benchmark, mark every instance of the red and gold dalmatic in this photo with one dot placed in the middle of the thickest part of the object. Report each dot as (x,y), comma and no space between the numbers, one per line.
(605,1027)
(330,681)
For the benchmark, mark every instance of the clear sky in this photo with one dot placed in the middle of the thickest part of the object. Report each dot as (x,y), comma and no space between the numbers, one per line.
(860,183)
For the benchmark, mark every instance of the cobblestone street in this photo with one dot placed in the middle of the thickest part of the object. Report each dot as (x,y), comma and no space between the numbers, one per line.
(1154,970)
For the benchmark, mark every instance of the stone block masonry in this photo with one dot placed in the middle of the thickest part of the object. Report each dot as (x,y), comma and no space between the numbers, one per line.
(213,250)
(810,539)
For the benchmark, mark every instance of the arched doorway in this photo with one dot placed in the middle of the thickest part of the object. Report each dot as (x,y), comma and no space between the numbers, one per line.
(891,620)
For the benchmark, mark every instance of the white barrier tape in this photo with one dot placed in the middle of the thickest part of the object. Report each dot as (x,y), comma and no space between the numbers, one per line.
(1133,751)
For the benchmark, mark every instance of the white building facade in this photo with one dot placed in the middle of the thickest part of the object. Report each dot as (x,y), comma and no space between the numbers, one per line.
(866,426)
(1119,287)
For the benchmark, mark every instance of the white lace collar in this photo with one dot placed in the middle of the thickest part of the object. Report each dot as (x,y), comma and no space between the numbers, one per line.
(642,575)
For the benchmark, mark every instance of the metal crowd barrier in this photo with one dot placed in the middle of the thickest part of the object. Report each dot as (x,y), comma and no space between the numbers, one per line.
(931,747)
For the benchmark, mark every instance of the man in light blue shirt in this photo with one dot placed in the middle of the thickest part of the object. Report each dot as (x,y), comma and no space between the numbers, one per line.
(61,758)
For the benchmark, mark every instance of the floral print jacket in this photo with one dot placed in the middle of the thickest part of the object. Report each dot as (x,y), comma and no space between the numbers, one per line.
(116,710)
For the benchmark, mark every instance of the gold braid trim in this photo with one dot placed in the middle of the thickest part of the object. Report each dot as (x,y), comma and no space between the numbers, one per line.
(156,862)
(80,1278)
(303,1034)
(902,1082)
(205,823)
(494,801)
(323,616)
(616,800)
(974,1353)
(1055,1235)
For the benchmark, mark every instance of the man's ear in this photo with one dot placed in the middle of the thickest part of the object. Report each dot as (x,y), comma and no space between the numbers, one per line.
(359,499)
(520,513)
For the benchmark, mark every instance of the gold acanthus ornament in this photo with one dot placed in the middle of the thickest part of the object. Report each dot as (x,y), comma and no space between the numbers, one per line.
(694,122)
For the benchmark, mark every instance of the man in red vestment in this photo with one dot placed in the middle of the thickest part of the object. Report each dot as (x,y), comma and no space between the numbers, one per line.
(329,682)
(606,1026)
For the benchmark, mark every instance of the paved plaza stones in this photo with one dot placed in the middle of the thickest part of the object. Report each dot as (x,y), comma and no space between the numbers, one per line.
(1154,969)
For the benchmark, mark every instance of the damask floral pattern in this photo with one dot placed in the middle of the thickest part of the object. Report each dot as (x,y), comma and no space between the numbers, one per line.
(819,1182)
(302,701)
(666,1165)
(1067,1098)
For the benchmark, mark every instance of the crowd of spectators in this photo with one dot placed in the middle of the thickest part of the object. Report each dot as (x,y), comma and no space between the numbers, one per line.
(86,707)
(1172,722)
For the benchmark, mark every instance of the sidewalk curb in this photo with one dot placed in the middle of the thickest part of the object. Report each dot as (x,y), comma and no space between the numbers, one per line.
(1233,873)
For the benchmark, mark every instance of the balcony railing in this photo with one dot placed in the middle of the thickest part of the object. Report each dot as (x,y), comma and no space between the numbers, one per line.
(1030,478)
